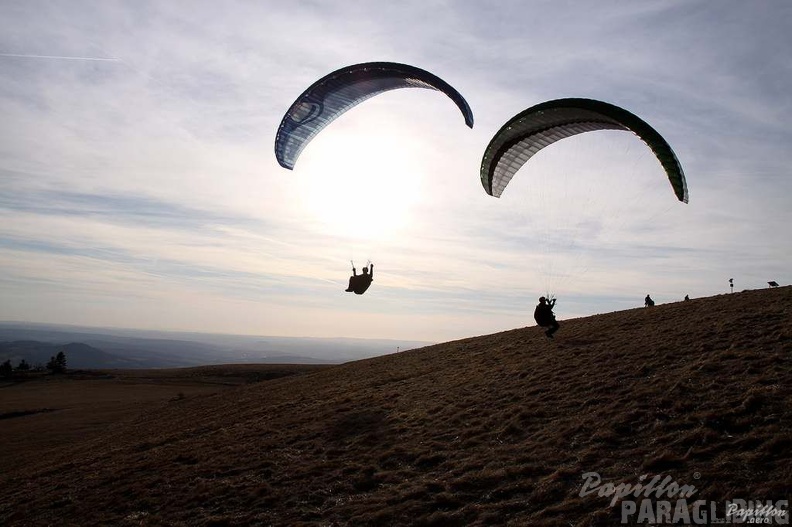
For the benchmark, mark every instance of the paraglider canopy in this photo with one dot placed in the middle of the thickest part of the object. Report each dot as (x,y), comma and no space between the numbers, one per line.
(528,132)
(332,95)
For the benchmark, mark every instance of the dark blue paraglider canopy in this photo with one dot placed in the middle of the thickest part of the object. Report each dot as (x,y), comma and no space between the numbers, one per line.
(332,95)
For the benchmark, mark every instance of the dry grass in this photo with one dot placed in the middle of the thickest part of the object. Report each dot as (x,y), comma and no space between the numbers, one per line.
(491,430)
(65,410)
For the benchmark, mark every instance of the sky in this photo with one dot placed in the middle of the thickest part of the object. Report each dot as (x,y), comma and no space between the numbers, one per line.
(139,186)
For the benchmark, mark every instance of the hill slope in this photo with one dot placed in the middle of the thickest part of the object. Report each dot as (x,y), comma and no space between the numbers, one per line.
(490,430)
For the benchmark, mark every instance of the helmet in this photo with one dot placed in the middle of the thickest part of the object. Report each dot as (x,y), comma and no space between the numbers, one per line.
(542,299)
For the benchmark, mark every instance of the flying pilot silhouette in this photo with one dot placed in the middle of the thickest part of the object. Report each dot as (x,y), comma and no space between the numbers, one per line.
(359,283)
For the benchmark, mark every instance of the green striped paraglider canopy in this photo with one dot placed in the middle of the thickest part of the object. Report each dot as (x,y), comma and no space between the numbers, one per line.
(531,130)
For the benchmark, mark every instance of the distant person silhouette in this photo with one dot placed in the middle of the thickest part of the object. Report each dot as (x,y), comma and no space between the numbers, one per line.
(648,302)
(687,298)
(544,316)
(359,283)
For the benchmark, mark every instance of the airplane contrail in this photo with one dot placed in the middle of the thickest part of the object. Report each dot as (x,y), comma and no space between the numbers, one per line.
(57,57)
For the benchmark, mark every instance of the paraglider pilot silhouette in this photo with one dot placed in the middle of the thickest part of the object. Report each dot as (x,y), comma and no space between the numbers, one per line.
(544,316)
(359,283)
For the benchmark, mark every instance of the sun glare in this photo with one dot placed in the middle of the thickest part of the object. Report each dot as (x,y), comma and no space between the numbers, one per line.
(360,185)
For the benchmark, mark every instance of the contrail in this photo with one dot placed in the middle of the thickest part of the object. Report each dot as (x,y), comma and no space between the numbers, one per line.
(57,57)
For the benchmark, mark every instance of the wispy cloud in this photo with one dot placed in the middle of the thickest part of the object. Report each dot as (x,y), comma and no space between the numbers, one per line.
(56,57)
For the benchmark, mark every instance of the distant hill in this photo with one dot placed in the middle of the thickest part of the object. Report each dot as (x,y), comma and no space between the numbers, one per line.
(33,351)
(124,348)
(78,355)
(492,430)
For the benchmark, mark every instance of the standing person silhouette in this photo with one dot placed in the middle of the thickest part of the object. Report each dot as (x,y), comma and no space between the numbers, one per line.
(359,283)
(544,316)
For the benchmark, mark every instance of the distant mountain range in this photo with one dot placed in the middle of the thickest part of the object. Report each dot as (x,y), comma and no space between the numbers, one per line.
(78,355)
(123,348)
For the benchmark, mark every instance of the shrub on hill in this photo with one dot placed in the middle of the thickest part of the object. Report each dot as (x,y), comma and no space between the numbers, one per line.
(6,370)
(57,364)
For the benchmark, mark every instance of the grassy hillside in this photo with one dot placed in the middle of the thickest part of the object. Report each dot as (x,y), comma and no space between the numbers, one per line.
(490,430)
(41,413)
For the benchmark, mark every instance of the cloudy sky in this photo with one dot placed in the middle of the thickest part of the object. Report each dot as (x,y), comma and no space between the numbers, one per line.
(139,188)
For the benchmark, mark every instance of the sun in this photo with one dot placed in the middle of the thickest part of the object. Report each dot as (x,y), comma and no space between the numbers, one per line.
(359,185)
